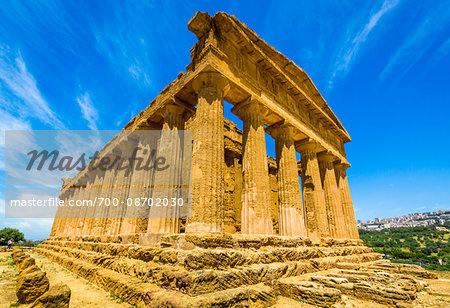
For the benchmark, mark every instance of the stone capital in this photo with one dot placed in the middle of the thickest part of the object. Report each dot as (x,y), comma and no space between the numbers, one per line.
(307,144)
(327,157)
(249,106)
(210,79)
(280,128)
(341,166)
(176,106)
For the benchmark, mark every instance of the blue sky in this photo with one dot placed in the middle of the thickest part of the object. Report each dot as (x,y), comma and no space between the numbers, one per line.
(382,66)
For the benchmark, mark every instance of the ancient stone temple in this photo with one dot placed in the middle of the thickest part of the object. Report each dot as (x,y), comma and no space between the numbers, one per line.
(260,226)
(236,187)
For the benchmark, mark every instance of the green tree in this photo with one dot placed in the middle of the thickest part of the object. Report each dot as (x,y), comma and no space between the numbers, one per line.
(10,233)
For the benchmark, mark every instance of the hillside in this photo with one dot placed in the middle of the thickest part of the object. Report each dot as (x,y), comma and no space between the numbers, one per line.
(426,246)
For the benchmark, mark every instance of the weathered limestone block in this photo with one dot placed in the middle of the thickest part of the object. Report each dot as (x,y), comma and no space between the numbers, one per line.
(336,242)
(31,285)
(342,284)
(335,212)
(313,196)
(308,291)
(208,155)
(291,218)
(256,194)
(408,269)
(17,255)
(30,269)
(389,296)
(58,296)
(390,289)
(25,263)
(200,24)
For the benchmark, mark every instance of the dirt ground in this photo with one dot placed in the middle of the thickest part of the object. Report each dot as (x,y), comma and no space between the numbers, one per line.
(85,294)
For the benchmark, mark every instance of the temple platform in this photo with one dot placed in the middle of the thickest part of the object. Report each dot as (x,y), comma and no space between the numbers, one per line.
(207,270)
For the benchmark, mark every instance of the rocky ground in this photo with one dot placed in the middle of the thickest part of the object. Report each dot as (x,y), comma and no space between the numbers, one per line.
(85,294)
(436,295)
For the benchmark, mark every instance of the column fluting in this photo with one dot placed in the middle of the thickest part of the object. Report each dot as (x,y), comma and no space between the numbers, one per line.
(313,197)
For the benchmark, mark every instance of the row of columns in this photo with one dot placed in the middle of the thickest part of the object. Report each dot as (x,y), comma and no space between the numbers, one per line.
(120,184)
(326,211)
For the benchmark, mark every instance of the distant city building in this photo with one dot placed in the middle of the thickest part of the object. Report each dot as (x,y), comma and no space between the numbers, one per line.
(409,220)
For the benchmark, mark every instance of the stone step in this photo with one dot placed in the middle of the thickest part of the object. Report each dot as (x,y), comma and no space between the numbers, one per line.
(204,281)
(136,292)
(131,289)
(212,258)
(206,240)
(409,269)
(307,291)
(327,287)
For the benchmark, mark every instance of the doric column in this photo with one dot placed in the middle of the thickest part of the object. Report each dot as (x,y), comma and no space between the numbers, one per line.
(208,155)
(136,216)
(119,191)
(58,221)
(93,190)
(332,195)
(82,197)
(73,213)
(165,219)
(62,219)
(256,216)
(291,218)
(346,199)
(101,212)
(313,196)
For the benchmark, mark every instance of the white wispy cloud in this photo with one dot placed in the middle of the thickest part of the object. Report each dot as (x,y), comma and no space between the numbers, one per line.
(8,121)
(124,43)
(440,54)
(419,42)
(88,110)
(24,95)
(349,52)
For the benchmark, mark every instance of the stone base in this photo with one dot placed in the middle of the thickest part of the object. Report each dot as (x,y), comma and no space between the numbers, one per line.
(191,270)
(210,240)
